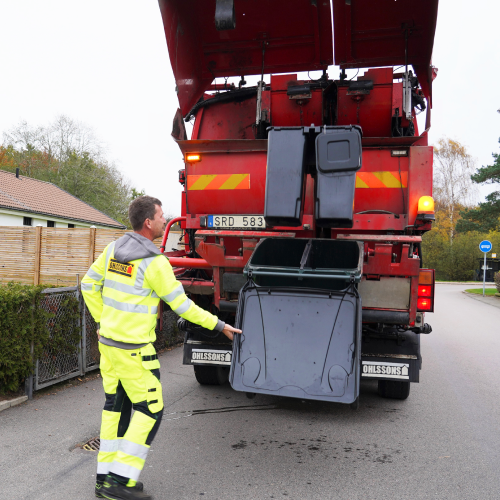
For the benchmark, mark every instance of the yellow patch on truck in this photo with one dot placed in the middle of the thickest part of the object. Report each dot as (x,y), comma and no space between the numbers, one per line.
(119,268)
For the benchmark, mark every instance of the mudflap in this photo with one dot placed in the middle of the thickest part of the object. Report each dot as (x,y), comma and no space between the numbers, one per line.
(297,342)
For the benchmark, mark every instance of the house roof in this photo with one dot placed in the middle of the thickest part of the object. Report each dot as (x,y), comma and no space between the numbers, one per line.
(39,197)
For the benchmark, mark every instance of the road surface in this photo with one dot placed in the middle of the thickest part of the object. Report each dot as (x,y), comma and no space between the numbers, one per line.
(442,442)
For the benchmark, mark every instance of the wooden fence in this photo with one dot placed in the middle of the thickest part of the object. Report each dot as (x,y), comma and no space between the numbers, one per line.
(51,256)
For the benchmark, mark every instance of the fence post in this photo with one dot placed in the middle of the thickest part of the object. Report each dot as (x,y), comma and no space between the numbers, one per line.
(81,357)
(38,253)
(92,246)
(28,383)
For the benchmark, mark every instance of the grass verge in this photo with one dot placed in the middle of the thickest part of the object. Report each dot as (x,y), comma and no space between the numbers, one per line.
(479,291)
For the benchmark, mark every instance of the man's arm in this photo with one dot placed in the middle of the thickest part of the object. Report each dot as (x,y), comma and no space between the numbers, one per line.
(92,284)
(172,292)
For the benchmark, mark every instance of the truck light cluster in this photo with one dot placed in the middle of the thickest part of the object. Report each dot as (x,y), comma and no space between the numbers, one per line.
(425,301)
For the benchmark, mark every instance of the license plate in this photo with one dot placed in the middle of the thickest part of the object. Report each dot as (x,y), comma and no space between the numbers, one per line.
(236,222)
(208,357)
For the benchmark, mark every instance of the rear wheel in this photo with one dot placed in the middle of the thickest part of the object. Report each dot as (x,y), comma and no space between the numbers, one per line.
(393,389)
(211,375)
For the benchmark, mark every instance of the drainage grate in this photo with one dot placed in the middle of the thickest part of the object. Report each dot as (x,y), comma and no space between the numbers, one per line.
(92,444)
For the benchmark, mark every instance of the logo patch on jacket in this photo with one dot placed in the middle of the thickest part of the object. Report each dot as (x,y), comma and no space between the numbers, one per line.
(122,269)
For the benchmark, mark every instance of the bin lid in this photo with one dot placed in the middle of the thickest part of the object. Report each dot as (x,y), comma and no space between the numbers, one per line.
(298,343)
(307,258)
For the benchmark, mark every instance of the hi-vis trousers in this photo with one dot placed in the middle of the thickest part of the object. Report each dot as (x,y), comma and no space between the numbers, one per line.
(131,378)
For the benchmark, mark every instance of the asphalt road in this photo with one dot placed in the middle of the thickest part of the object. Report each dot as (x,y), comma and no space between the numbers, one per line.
(442,442)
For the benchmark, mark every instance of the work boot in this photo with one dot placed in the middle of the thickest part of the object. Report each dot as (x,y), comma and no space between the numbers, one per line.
(113,490)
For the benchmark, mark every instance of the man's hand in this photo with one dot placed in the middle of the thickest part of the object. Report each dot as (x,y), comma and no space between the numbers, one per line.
(229,330)
(98,334)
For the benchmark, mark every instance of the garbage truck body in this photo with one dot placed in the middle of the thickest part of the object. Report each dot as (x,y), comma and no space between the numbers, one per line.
(305,196)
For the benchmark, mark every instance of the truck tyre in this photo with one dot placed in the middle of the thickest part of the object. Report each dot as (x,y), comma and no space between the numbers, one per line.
(393,389)
(211,375)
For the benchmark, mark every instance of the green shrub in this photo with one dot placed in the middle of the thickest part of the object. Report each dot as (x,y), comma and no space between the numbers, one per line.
(23,321)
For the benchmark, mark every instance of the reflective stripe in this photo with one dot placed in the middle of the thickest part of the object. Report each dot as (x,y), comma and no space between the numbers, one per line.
(87,287)
(134,449)
(154,309)
(94,275)
(103,467)
(125,470)
(109,445)
(123,306)
(173,295)
(139,280)
(121,345)
(108,254)
(122,287)
(183,307)
(154,295)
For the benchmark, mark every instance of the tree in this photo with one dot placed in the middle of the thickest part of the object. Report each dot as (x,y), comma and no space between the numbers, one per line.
(453,189)
(486,217)
(68,154)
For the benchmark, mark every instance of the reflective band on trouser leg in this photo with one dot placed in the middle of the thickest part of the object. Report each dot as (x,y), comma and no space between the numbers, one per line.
(109,442)
(131,456)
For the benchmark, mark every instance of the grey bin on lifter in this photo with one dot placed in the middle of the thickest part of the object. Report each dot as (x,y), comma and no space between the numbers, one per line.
(285,177)
(301,319)
(338,158)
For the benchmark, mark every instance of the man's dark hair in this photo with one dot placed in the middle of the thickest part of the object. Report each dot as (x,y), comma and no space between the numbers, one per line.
(142,208)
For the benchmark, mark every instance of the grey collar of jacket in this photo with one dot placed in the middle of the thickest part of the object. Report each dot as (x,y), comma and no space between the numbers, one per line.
(120,345)
(133,246)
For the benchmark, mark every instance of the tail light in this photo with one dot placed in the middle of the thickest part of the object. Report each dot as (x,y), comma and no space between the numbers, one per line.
(426,281)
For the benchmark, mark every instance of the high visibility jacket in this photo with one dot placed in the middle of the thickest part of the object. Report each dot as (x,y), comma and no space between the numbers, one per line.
(124,296)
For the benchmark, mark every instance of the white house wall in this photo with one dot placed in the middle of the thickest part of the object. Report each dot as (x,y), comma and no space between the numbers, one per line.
(13,218)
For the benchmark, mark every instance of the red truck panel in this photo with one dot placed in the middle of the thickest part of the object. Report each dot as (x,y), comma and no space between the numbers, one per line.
(297,37)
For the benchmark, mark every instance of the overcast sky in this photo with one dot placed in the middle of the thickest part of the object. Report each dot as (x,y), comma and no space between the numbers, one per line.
(105,63)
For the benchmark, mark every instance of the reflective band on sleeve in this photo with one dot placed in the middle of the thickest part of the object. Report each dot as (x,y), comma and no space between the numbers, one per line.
(94,276)
(154,295)
(87,287)
(109,445)
(173,295)
(122,287)
(183,307)
(125,470)
(103,467)
(134,449)
(123,306)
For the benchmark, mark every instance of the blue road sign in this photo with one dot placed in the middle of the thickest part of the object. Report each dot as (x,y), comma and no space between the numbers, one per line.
(485,246)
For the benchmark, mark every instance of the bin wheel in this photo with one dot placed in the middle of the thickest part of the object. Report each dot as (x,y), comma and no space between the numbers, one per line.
(355,404)
(393,389)
(250,395)
(211,375)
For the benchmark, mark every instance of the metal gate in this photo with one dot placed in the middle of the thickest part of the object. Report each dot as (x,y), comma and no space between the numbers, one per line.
(54,366)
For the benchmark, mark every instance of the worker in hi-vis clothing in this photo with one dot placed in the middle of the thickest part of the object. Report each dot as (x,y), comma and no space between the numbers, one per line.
(122,290)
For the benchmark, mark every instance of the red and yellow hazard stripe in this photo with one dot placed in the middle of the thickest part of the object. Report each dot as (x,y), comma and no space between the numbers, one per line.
(381,179)
(218,181)
(384,179)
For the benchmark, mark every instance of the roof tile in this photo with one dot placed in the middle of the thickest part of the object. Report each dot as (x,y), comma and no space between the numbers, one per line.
(33,195)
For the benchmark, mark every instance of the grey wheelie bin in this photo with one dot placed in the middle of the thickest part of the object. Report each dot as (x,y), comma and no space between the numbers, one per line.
(301,319)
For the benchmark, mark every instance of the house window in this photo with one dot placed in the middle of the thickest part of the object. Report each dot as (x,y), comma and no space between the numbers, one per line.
(71,226)
(27,221)
(51,223)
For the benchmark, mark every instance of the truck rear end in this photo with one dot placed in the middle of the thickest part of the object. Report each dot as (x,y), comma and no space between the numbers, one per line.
(305,201)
